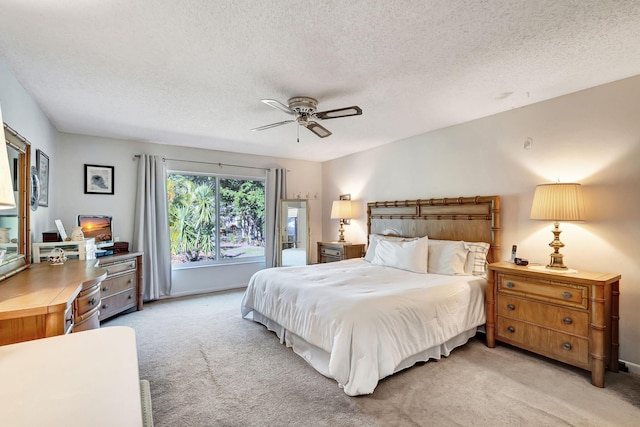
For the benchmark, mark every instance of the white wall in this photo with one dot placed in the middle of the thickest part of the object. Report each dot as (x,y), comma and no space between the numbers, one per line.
(76,150)
(591,137)
(22,113)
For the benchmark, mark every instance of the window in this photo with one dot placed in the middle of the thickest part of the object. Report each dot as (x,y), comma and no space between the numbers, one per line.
(214,219)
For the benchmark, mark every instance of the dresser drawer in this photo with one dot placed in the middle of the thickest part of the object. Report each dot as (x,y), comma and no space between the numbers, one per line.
(118,284)
(86,301)
(560,346)
(545,290)
(119,267)
(117,303)
(563,319)
(331,252)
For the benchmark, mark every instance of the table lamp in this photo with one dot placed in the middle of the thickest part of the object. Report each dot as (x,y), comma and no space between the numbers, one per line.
(558,202)
(341,209)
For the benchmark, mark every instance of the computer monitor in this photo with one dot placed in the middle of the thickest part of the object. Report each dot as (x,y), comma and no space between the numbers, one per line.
(100,227)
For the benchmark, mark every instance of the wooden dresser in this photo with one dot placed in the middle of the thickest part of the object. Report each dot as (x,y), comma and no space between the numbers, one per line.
(335,251)
(47,300)
(122,289)
(569,317)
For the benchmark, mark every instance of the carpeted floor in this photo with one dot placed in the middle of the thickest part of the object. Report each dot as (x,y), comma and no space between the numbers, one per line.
(209,367)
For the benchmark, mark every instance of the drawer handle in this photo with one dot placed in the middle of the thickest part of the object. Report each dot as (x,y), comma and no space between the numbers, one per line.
(130,297)
(130,281)
(92,301)
(510,285)
(105,289)
(566,346)
(105,306)
(511,307)
(566,295)
(567,321)
(511,329)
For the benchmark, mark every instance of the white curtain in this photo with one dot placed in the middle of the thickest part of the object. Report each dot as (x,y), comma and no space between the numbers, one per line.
(276,191)
(151,227)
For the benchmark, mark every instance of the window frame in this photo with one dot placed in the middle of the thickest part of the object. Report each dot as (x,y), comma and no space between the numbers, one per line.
(217,261)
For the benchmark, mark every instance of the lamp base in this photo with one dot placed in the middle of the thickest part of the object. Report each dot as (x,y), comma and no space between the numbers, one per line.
(556,257)
(341,230)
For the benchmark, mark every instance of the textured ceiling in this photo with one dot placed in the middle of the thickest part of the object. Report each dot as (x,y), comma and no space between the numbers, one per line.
(192,72)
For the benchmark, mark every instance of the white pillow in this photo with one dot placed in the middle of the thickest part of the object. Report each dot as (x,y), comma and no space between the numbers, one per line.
(476,263)
(408,255)
(447,257)
(375,238)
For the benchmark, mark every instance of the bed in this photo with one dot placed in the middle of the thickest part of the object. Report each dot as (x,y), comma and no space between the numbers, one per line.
(417,294)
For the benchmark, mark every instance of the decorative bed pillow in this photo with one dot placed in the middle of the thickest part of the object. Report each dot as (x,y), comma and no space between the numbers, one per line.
(447,257)
(375,238)
(409,255)
(476,263)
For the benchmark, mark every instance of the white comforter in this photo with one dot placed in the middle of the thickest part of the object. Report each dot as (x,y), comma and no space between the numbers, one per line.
(368,318)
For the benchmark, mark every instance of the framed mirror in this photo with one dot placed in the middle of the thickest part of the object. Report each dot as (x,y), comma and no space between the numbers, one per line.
(294,232)
(14,223)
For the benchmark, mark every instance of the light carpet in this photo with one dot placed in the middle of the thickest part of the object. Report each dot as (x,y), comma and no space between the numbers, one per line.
(209,367)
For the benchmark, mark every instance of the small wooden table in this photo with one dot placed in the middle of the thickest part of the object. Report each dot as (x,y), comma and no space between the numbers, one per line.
(338,251)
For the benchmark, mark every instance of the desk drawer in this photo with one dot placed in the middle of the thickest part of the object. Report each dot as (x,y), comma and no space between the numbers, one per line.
(86,301)
(545,290)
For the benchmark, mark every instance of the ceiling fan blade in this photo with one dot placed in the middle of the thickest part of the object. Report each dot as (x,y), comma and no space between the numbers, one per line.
(321,131)
(279,106)
(340,112)
(272,125)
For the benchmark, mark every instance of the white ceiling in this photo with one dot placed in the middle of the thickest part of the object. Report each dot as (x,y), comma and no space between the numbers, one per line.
(192,72)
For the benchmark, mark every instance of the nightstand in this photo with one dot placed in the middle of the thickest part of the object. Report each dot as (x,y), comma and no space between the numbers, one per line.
(569,317)
(336,251)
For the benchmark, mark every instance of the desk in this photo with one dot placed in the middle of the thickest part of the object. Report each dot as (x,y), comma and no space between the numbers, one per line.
(56,381)
(47,300)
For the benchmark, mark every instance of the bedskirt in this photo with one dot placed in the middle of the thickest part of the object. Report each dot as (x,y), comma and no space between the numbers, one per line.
(319,359)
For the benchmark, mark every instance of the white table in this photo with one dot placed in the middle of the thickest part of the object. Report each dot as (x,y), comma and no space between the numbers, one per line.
(83,379)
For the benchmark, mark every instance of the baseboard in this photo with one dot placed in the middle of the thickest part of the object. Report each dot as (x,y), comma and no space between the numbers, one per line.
(203,291)
(633,367)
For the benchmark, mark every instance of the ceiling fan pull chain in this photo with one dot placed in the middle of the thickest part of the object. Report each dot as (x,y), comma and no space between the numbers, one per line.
(298,127)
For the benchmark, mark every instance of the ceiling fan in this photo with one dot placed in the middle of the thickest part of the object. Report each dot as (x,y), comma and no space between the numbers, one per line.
(304,109)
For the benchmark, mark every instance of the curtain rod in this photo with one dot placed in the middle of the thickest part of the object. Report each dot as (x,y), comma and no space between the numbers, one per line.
(212,163)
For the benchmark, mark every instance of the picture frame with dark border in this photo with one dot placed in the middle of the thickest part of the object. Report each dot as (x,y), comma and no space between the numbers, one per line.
(98,179)
(42,165)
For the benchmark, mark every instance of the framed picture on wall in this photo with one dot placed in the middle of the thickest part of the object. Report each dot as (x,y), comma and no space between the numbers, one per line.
(42,164)
(98,179)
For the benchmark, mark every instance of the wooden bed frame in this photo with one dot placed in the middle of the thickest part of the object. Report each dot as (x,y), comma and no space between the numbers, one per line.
(472,219)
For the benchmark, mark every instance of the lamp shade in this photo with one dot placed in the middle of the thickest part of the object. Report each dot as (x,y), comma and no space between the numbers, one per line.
(558,202)
(7,199)
(341,209)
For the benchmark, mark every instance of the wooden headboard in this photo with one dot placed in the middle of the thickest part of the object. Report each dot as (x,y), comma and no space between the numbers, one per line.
(472,219)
